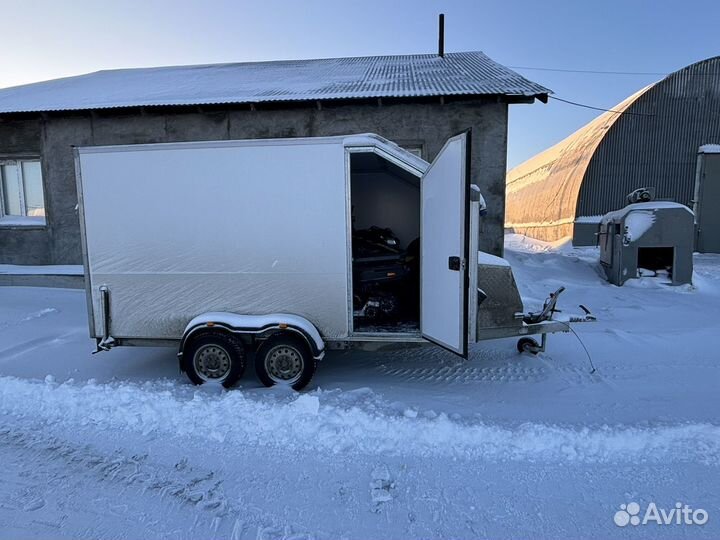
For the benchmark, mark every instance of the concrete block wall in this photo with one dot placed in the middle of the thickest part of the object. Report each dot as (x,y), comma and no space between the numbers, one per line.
(52,137)
(26,245)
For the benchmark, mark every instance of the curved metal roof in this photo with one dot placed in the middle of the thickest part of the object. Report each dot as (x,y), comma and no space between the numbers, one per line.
(654,144)
(543,191)
(420,75)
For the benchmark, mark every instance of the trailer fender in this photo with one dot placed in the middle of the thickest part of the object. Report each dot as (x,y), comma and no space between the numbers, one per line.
(257,325)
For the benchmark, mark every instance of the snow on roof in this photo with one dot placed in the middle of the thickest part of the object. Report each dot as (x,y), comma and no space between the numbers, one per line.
(651,206)
(463,73)
(589,219)
(709,149)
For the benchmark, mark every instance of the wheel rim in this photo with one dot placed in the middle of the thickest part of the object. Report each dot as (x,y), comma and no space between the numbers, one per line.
(212,363)
(284,364)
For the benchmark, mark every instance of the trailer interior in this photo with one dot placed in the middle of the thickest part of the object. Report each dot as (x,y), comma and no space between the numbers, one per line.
(385,207)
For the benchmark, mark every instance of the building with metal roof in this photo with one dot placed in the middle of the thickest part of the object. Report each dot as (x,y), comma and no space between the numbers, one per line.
(649,140)
(407,76)
(418,101)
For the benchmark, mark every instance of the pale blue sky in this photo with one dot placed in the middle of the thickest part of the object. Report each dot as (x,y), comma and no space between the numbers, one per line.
(48,39)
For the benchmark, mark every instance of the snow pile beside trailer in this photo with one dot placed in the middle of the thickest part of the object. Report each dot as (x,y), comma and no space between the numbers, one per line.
(336,425)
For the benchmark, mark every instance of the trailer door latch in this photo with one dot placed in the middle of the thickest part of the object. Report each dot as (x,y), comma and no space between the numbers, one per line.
(454,263)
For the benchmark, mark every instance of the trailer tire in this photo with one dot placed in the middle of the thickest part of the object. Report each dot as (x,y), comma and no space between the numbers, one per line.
(215,357)
(285,359)
(528,345)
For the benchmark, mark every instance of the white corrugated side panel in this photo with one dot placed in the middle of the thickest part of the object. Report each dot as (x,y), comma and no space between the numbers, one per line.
(175,231)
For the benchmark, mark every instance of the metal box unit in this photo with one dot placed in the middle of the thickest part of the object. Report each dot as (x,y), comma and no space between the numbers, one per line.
(655,236)
(707,198)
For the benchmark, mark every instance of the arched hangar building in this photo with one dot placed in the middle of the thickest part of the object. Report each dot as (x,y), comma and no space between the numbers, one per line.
(652,140)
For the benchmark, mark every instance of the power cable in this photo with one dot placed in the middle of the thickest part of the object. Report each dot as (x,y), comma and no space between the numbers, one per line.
(590,71)
(592,366)
(597,108)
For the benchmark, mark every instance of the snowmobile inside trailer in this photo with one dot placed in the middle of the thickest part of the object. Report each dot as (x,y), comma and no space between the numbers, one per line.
(385,279)
(289,247)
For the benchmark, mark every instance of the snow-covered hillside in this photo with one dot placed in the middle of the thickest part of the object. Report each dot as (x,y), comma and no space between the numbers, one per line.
(401,444)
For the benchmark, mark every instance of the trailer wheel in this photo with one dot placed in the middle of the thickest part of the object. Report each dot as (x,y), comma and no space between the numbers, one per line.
(214,358)
(528,345)
(285,359)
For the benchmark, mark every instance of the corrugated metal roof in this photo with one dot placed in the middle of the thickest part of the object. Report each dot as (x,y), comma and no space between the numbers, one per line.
(542,193)
(591,172)
(657,146)
(455,74)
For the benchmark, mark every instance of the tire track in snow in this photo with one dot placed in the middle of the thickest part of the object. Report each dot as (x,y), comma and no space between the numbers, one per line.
(313,421)
(464,374)
(52,458)
(20,349)
(27,318)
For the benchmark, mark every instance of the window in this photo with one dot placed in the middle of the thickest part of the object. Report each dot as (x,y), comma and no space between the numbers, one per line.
(414,148)
(21,190)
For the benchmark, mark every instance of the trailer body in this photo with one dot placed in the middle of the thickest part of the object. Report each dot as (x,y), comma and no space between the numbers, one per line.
(177,230)
(256,236)
(172,231)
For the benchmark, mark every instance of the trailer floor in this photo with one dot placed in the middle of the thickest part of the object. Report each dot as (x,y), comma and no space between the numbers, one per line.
(405,444)
(401,327)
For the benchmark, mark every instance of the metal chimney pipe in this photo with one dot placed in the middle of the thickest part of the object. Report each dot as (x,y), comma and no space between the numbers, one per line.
(441,35)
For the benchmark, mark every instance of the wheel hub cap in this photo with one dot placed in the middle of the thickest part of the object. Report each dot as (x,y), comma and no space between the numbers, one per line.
(212,362)
(284,364)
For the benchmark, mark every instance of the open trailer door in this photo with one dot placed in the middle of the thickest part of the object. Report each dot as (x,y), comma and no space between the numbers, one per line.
(444,246)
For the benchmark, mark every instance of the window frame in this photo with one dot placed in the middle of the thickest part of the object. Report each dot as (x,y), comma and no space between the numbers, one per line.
(17,161)
(415,149)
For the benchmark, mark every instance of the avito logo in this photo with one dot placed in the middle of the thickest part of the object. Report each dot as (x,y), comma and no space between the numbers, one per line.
(680,514)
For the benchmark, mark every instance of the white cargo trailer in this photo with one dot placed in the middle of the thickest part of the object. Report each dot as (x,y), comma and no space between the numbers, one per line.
(236,249)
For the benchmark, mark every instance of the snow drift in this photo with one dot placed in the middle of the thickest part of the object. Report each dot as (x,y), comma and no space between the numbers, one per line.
(314,421)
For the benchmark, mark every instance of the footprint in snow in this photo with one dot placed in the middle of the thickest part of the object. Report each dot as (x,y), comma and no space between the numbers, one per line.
(28,501)
(381,485)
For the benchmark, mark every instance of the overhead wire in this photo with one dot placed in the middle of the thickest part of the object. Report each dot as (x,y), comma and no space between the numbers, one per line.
(591,71)
(594,72)
(597,108)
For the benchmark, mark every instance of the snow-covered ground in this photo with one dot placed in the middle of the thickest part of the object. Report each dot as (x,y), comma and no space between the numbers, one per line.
(403,444)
